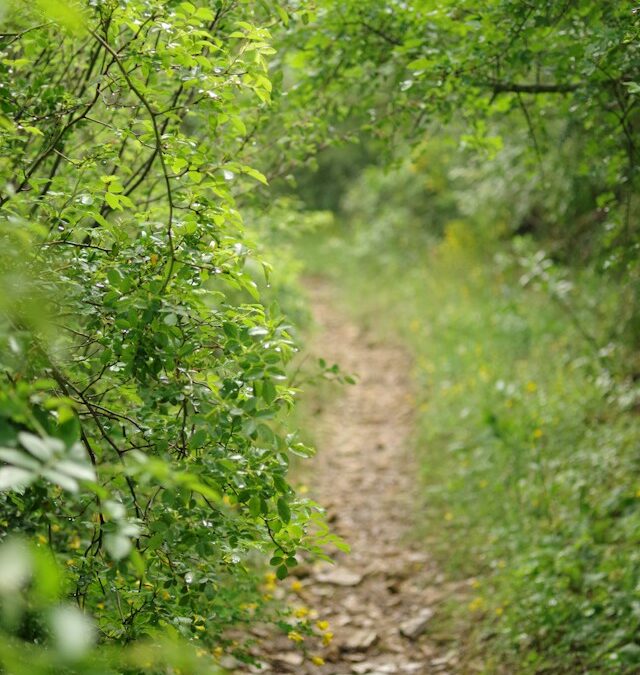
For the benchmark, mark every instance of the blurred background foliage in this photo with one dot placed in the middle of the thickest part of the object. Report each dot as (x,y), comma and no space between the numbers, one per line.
(490,222)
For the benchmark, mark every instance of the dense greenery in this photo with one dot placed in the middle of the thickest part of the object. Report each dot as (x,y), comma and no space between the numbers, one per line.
(144,383)
(503,248)
(144,434)
(527,432)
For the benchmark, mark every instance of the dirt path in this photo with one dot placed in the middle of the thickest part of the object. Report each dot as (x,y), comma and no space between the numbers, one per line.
(380,599)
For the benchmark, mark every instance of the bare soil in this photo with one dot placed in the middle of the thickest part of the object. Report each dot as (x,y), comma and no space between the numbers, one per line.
(380,599)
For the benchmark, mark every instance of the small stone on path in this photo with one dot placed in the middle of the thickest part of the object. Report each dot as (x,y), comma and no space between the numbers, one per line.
(414,627)
(361,640)
(339,576)
(288,660)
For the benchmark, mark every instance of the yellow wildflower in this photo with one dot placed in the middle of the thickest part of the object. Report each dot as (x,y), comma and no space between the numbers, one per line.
(476,604)
(74,543)
(249,606)
(270,581)
(55,527)
(499,611)
(296,586)
(538,433)
(301,612)
(218,652)
(294,636)
(42,539)
(326,638)
(322,625)
(531,387)
(317,660)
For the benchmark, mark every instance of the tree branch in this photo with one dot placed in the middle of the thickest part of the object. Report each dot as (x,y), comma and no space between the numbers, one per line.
(517,88)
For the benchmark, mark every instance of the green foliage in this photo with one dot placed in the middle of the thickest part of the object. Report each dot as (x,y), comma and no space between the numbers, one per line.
(527,423)
(528,451)
(559,76)
(144,386)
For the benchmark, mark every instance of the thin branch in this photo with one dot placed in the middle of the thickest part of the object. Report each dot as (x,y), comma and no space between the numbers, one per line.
(532,133)
(517,88)
(159,150)
(59,242)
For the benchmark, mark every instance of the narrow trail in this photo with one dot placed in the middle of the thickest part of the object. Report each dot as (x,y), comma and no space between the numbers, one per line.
(381,597)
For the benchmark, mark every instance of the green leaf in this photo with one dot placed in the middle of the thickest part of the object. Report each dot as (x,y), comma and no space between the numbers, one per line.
(17,458)
(187,8)
(75,470)
(113,200)
(268,391)
(283,510)
(255,506)
(284,17)
(205,14)
(302,450)
(254,173)
(72,630)
(419,64)
(281,484)
(62,479)
(66,13)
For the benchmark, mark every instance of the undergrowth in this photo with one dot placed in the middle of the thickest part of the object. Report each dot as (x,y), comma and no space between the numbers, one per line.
(527,434)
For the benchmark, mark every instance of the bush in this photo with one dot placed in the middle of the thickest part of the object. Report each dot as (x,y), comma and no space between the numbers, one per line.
(144,394)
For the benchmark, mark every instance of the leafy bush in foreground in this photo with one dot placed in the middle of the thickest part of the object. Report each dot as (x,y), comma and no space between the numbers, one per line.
(143,381)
